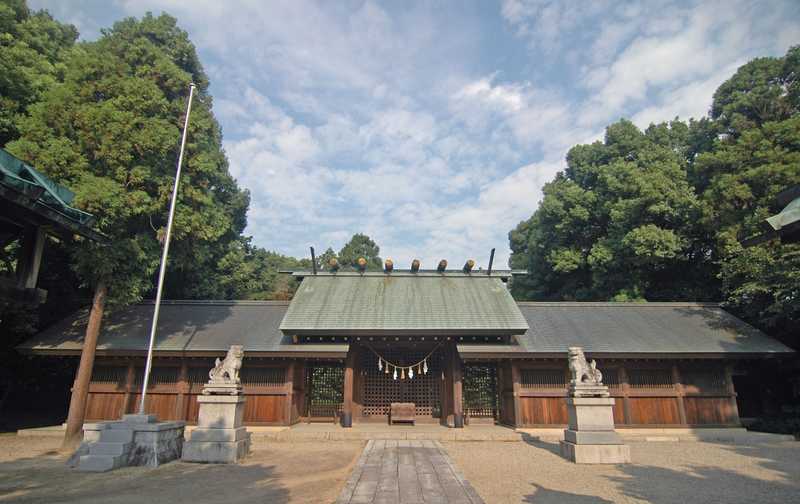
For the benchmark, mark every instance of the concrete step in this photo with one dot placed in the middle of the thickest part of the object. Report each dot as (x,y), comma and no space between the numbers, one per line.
(116,436)
(100,463)
(104,448)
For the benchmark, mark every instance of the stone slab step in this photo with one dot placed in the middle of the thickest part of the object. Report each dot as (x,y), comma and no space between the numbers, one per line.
(100,463)
(116,436)
(104,448)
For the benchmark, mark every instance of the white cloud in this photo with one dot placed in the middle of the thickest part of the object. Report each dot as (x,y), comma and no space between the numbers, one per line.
(424,125)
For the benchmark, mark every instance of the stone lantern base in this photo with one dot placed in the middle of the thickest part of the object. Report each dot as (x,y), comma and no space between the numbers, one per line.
(219,437)
(591,438)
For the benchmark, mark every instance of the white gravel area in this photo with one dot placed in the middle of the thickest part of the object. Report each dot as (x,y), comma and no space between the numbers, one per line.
(32,471)
(662,472)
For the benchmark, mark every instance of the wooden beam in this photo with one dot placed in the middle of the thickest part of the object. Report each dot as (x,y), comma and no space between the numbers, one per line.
(515,377)
(732,392)
(679,391)
(181,405)
(349,381)
(626,390)
(30,257)
(458,390)
(289,401)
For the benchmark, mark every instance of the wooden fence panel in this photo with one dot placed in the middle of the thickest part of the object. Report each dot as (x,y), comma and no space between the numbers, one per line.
(162,405)
(710,410)
(105,406)
(264,409)
(543,410)
(654,411)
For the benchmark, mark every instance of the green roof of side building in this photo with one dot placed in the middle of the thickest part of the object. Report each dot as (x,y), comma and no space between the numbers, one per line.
(25,186)
(602,329)
(377,303)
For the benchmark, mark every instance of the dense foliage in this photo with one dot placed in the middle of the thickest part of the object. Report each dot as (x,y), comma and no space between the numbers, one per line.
(32,47)
(361,245)
(659,214)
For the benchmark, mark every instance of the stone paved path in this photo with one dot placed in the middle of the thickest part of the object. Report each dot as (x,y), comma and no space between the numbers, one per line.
(394,472)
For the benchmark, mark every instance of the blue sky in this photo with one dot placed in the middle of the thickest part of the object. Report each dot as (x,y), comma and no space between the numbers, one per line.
(432,127)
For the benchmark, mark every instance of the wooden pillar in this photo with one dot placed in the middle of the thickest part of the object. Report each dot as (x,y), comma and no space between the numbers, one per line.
(517,388)
(446,388)
(289,401)
(626,389)
(679,392)
(458,391)
(732,392)
(349,382)
(30,257)
(183,391)
(129,377)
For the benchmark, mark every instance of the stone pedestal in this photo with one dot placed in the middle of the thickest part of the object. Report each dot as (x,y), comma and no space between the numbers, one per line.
(219,437)
(591,438)
(136,440)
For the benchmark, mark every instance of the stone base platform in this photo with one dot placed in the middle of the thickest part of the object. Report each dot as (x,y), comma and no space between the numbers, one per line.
(136,440)
(216,446)
(219,437)
(596,453)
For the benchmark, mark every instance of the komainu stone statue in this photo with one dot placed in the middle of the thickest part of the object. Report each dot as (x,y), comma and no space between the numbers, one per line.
(220,436)
(224,376)
(590,437)
(227,371)
(582,371)
(587,380)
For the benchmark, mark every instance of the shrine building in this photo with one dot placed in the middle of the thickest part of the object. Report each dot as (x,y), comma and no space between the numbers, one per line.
(454,343)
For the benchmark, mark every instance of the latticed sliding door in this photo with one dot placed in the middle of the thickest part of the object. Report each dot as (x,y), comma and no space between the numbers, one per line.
(380,389)
(480,390)
(325,386)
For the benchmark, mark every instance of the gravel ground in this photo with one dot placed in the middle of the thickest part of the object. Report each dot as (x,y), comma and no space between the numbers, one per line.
(664,472)
(32,471)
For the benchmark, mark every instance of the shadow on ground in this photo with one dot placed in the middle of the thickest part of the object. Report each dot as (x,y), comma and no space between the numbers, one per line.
(47,479)
(676,473)
(31,471)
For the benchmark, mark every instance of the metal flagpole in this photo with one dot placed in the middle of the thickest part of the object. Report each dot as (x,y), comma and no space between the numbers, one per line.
(164,254)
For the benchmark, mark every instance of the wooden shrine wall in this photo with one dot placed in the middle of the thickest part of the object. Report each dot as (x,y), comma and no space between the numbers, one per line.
(646,394)
(273,390)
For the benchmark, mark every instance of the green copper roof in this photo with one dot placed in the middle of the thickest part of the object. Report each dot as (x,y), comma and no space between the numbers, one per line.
(31,189)
(406,304)
(787,216)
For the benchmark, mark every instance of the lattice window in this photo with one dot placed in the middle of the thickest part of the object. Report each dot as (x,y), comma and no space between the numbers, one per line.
(704,380)
(160,375)
(263,376)
(543,378)
(116,375)
(650,378)
(380,389)
(610,377)
(325,389)
(480,390)
(198,375)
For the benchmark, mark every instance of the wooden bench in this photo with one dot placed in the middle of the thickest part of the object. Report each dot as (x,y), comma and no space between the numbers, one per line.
(401,412)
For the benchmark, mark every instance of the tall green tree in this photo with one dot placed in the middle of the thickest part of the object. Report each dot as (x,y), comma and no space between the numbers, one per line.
(660,214)
(110,131)
(324,260)
(32,52)
(361,245)
(758,156)
(619,223)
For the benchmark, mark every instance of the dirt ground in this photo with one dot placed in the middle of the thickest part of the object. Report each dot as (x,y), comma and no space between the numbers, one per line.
(32,471)
(661,472)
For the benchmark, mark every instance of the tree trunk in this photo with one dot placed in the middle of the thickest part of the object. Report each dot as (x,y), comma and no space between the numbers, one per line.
(80,388)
